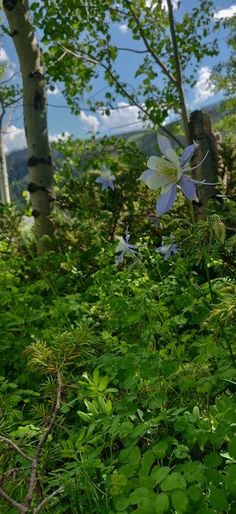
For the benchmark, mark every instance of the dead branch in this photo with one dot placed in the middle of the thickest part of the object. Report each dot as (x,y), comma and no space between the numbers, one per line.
(24,507)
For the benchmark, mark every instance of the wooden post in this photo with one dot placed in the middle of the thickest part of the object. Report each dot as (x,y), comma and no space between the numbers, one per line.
(201,132)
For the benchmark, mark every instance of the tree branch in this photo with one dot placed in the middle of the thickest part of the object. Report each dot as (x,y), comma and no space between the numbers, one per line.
(131,50)
(47,499)
(150,50)
(179,83)
(42,441)
(24,507)
(16,448)
(121,87)
(10,500)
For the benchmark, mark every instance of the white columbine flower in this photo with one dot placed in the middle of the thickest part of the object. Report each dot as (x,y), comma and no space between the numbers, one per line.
(168,173)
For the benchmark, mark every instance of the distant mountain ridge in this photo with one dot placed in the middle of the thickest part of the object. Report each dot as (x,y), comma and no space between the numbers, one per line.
(146,141)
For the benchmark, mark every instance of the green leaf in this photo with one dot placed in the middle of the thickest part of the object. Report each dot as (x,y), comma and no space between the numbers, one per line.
(161,503)
(146,463)
(85,416)
(121,503)
(138,495)
(195,492)
(173,481)
(213,460)
(128,469)
(180,501)
(230,479)
(131,455)
(103,383)
(218,499)
(96,377)
(159,474)
(232,448)
(160,449)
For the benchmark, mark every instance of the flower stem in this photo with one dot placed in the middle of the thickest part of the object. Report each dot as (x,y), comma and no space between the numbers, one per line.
(192,213)
(230,351)
(203,253)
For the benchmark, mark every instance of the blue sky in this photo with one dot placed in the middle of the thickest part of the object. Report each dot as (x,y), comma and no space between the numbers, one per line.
(122,119)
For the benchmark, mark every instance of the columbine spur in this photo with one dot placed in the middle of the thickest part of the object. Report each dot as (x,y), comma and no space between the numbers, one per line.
(168,173)
(125,248)
(106,179)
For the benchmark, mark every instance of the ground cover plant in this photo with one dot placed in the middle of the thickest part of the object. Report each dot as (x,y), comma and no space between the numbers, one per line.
(117,389)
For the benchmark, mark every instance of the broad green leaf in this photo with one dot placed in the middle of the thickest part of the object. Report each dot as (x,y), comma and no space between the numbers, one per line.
(131,455)
(146,463)
(161,503)
(180,501)
(195,492)
(230,479)
(213,460)
(121,503)
(160,473)
(218,499)
(232,448)
(138,495)
(173,481)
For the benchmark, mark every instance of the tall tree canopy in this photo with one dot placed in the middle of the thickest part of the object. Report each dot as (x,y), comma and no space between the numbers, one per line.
(81,46)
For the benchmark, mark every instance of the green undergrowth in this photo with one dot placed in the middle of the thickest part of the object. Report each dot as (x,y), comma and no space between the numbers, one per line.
(146,353)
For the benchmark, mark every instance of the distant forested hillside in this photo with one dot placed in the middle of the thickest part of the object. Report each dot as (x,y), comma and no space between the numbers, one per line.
(146,141)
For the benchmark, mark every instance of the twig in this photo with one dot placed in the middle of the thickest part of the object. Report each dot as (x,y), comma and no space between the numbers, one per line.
(120,87)
(10,472)
(47,499)
(10,500)
(23,508)
(158,61)
(16,448)
(33,475)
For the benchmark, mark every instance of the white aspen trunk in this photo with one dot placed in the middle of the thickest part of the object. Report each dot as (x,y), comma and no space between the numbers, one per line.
(35,115)
(4,184)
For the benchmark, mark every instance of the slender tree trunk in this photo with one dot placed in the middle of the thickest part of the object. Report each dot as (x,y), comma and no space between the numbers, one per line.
(4,184)
(179,83)
(35,115)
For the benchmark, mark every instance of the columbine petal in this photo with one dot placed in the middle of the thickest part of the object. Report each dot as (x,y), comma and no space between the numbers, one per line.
(120,257)
(188,154)
(166,200)
(146,174)
(172,156)
(163,143)
(156,181)
(121,245)
(188,188)
(167,250)
(154,162)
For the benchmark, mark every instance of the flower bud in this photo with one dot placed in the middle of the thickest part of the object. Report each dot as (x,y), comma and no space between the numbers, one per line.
(219,229)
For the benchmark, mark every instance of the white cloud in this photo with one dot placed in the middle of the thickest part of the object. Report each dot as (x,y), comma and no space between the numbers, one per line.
(10,66)
(123,28)
(14,139)
(63,136)
(152,3)
(225,13)
(123,119)
(56,91)
(90,120)
(174,4)
(3,56)
(204,88)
